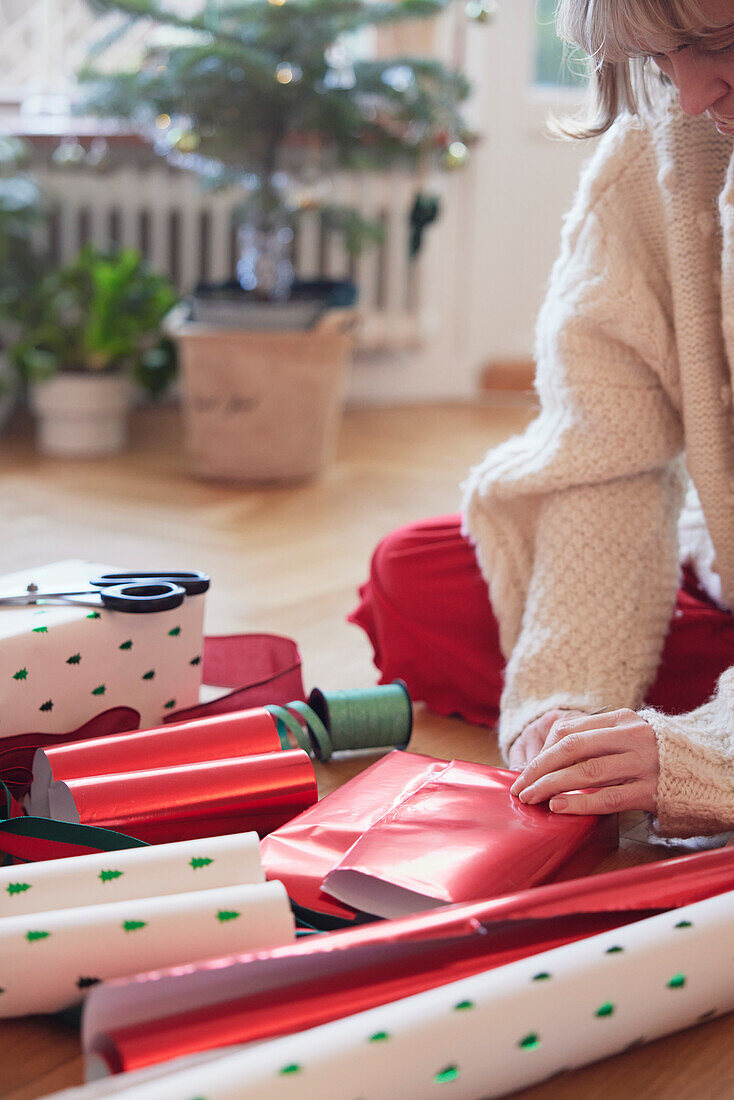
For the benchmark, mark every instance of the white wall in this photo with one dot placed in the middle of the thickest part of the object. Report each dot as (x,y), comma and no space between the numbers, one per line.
(490,257)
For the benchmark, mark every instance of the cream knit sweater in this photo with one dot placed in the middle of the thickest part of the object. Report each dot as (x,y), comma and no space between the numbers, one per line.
(576,520)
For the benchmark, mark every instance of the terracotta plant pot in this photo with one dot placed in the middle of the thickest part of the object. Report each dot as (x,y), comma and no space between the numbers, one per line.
(81,414)
(264,406)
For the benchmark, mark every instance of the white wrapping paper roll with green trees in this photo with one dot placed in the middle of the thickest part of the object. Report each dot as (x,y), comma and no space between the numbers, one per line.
(487,1035)
(97,879)
(49,959)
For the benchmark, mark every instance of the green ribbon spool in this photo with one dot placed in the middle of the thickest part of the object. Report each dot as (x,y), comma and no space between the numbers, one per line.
(335,721)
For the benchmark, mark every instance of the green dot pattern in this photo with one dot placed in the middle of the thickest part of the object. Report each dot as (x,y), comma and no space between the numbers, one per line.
(17,888)
(21,674)
(197,862)
(529,1042)
(110,876)
(607,1009)
(133,925)
(677,981)
(75,659)
(449,1073)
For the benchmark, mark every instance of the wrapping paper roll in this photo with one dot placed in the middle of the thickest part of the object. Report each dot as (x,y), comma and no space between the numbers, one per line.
(490,1034)
(136,1022)
(225,736)
(132,873)
(48,960)
(207,799)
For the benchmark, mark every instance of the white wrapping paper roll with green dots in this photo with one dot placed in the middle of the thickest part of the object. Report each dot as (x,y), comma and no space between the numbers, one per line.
(487,1035)
(48,960)
(178,868)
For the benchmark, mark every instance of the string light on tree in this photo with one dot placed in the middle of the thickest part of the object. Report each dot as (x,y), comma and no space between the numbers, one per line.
(287,74)
(163,122)
(455,156)
(482,11)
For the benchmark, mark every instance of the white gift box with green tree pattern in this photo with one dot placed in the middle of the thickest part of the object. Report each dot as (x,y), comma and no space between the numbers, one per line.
(60,664)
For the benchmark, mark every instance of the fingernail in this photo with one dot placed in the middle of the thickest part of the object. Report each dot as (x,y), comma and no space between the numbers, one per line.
(516,786)
(558,805)
(526,795)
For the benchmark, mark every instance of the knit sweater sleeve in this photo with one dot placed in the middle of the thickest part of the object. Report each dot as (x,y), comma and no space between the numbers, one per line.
(575,520)
(696,782)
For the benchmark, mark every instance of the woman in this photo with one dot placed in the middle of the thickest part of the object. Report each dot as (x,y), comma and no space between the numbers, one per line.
(579,524)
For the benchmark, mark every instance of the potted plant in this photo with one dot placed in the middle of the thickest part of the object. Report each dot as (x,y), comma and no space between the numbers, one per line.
(20,264)
(89,330)
(272,97)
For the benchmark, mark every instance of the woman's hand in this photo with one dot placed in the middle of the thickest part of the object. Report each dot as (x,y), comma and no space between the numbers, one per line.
(615,752)
(533,738)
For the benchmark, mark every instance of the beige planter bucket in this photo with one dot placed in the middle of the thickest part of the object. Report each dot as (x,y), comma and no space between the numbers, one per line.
(264,406)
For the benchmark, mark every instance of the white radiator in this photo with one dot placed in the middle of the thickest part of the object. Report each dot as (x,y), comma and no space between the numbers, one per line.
(190,235)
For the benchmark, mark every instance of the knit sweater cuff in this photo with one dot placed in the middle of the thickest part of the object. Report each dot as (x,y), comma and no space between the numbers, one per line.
(695,795)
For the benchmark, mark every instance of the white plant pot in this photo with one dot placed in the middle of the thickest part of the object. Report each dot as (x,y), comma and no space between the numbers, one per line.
(81,415)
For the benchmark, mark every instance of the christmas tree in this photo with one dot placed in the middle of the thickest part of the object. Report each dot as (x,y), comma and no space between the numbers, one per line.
(272,97)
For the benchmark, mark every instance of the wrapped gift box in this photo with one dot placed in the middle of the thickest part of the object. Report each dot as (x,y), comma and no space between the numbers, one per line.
(60,665)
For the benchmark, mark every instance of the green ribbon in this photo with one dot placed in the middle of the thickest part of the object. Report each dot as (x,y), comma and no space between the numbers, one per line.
(335,721)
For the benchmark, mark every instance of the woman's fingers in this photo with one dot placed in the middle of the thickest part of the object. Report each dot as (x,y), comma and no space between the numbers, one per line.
(640,795)
(597,771)
(571,750)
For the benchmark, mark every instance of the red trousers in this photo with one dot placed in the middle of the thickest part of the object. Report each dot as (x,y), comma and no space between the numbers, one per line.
(426,610)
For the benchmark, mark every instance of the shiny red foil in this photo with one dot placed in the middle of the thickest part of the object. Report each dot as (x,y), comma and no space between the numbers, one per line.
(455,820)
(226,736)
(197,800)
(326,977)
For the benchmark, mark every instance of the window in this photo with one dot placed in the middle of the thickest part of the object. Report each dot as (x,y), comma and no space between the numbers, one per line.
(555,63)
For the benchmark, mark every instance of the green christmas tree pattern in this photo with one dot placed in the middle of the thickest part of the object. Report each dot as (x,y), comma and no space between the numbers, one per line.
(170,704)
(133,925)
(227,914)
(21,674)
(94,615)
(127,645)
(40,630)
(174,633)
(75,659)
(33,936)
(149,675)
(110,876)
(195,660)
(200,861)
(48,705)
(17,887)
(85,983)
(99,690)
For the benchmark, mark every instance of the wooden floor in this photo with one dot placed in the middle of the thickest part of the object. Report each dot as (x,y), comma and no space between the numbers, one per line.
(288,561)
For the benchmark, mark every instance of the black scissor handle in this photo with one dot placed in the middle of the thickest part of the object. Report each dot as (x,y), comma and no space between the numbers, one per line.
(192,583)
(142,598)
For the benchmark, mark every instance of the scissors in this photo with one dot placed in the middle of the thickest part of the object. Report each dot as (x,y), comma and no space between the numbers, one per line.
(138,593)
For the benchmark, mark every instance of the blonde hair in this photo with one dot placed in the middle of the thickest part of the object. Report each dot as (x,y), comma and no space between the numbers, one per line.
(619,37)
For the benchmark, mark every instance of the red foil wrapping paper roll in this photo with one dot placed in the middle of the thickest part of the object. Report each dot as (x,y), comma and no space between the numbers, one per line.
(194,800)
(226,736)
(129,1023)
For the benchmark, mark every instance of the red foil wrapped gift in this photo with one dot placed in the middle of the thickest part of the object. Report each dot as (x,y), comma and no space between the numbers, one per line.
(135,1022)
(413,832)
(205,799)
(225,736)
